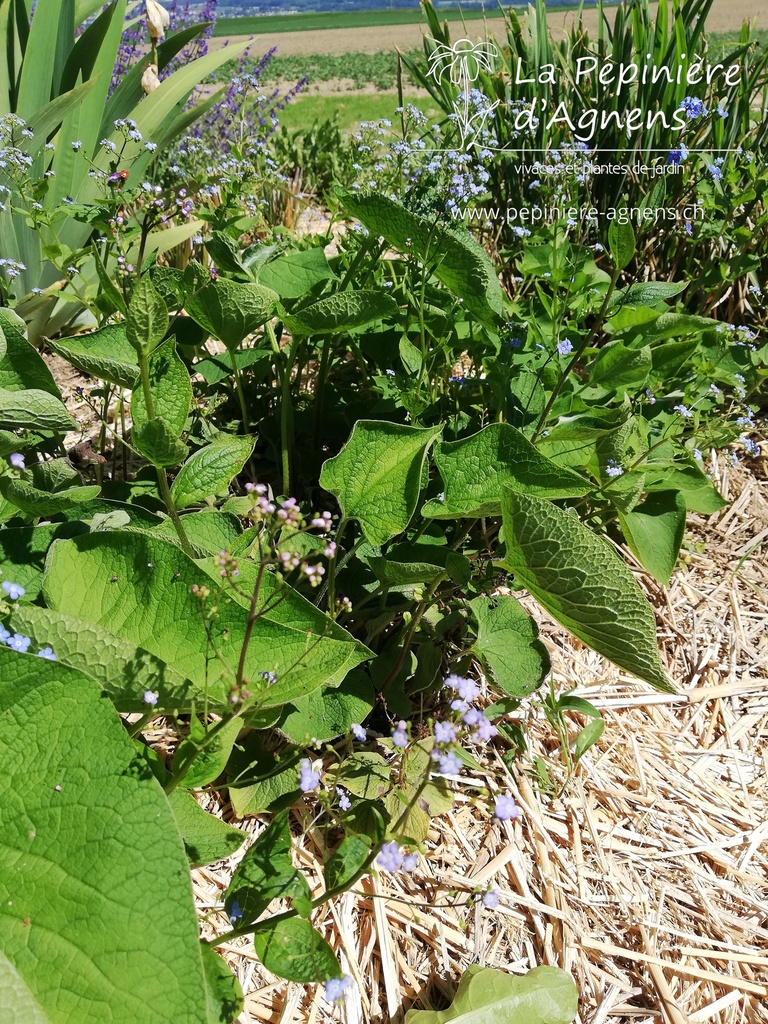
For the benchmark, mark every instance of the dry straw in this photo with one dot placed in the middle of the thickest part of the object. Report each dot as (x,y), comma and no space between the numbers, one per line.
(647,879)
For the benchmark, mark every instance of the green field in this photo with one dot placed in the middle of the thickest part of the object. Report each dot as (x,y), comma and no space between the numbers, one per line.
(312,22)
(349,108)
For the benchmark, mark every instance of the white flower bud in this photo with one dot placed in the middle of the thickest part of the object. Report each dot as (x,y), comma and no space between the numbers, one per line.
(149,80)
(158,20)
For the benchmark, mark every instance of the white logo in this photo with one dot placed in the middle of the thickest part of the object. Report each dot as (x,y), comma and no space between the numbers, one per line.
(462,64)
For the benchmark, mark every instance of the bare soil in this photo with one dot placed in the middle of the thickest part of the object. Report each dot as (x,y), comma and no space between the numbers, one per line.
(725,16)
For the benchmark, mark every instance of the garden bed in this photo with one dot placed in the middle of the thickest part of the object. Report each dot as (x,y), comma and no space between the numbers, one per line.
(646,879)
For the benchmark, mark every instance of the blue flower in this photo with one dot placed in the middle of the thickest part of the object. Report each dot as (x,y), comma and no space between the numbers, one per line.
(684,411)
(693,107)
(444,732)
(17,460)
(390,857)
(491,899)
(308,778)
(358,732)
(344,802)
(19,643)
(400,736)
(506,809)
(336,987)
(564,347)
(449,764)
(235,913)
(47,653)
(721,110)
(150,697)
(13,590)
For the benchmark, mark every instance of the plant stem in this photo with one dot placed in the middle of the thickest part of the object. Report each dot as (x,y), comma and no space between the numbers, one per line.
(162,479)
(240,394)
(576,356)
(413,626)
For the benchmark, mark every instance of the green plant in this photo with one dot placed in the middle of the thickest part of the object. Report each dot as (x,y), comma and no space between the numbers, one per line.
(62,132)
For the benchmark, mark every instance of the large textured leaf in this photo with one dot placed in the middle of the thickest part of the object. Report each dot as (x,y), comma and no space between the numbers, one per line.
(211,469)
(581,581)
(654,531)
(545,995)
(342,311)
(475,469)
(157,441)
(124,671)
(230,311)
(23,550)
(456,259)
(147,321)
(325,714)
(106,353)
(150,604)
(508,644)
(293,949)
(82,837)
(36,409)
(295,273)
(377,475)
(34,502)
(170,388)
(266,872)
(21,367)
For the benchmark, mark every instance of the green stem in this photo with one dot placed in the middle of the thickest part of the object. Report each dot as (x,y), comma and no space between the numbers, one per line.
(240,394)
(576,356)
(322,375)
(335,890)
(162,479)
(414,624)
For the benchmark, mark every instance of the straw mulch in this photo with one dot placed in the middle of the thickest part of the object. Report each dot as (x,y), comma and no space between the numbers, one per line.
(647,878)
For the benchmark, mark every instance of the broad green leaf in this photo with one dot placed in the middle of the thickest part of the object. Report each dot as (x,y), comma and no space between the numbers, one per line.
(455,259)
(293,949)
(406,564)
(266,873)
(582,582)
(124,671)
(621,241)
(225,997)
(208,531)
(170,389)
(672,358)
(508,644)
(151,605)
(147,321)
(654,531)
(158,442)
(206,837)
(588,736)
(231,311)
(345,862)
(377,476)
(342,311)
(263,785)
(207,761)
(475,469)
(699,492)
(617,366)
(211,469)
(647,293)
(366,775)
(545,995)
(23,550)
(296,273)
(35,409)
(328,713)
(34,502)
(216,368)
(78,924)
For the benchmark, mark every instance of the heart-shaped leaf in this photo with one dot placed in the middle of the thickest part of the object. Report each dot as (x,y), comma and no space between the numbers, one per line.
(377,475)
(211,469)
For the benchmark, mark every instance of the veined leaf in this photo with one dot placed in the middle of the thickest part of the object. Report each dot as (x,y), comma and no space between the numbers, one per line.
(342,311)
(476,468)
(377,475)
(581,581)
(211,469)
